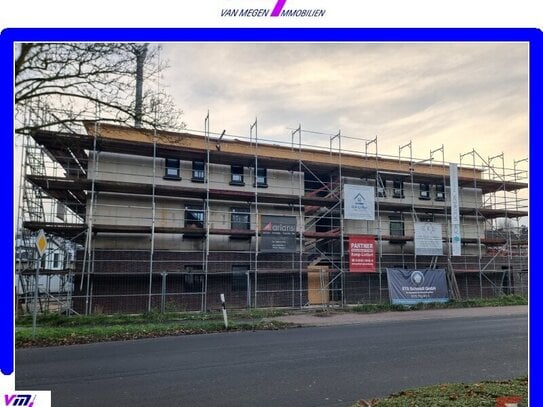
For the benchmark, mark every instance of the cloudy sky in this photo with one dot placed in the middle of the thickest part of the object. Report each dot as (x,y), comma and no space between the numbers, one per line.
(462,95)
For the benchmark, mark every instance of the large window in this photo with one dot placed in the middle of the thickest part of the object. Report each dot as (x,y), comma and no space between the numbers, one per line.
(440,192)
(236,175)
(424,192)
(240,218)
(261,177)
(194,217)
(198,171)
(172,169)
(396,228)
(397,189)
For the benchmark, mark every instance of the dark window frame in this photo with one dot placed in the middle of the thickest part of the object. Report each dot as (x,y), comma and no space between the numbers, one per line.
(198,171)
(236,175)
(239,211)
(172,164)
(194,221)
(424,192)
(440,192)
(396,224)
(261,173)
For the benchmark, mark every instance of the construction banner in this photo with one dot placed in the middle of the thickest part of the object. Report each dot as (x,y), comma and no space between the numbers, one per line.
(408,287)
(361,254)
(278,234)
(428,239)
(359,202)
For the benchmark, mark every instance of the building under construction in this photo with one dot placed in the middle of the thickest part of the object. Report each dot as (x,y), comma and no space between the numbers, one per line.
(153,220)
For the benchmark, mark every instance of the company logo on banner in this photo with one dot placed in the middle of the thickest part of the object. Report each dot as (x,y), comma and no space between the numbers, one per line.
(358,202)
(408,287)
(428,239)
(361,254)
(278,234)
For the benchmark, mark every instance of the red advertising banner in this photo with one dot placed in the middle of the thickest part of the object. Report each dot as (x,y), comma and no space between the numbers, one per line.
(361,254)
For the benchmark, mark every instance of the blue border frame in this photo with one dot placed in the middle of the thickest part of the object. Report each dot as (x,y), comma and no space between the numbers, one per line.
(9,36)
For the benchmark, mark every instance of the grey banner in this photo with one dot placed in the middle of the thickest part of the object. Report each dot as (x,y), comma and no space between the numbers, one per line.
(278,234)
(407,287)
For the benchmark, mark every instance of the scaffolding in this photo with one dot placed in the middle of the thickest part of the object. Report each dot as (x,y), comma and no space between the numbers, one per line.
(147,241)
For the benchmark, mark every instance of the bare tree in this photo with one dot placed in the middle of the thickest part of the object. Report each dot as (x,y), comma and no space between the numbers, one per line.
(81,81)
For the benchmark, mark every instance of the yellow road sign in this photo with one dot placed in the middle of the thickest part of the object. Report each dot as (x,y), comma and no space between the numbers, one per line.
(41,242)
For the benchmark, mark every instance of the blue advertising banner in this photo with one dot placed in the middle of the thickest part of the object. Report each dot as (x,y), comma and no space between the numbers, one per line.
(408,287)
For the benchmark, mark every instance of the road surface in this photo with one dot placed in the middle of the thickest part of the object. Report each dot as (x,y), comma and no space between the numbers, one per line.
(313,366)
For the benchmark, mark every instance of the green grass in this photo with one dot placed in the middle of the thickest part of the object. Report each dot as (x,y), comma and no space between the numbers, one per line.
(500,301)
(55,329)
(482,394)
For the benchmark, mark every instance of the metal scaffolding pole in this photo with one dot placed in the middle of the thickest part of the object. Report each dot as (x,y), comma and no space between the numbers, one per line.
(300,212)
(341,226)
(153,221)
(479,243)
(207,213)
(254,127)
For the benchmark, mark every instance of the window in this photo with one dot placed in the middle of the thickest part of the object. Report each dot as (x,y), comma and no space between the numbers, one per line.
(193,279)
(261,177)
(396,227)
(397,189)
(236,175)
(56,262)
(194,217)
(440,192)
(198,171)
(172,170)
(424,191)
(239,277)
(240,218)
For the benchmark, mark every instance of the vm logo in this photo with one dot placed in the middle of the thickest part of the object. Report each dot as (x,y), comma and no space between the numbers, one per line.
(19,400)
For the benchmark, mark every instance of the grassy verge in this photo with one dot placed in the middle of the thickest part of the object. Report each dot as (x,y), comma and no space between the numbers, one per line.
(484,394)
(501,301)
(57,329)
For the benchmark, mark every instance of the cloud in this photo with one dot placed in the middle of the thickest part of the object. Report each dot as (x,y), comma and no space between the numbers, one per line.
(462,95)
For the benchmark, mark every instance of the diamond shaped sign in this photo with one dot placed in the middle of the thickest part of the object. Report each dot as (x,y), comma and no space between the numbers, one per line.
(41,242)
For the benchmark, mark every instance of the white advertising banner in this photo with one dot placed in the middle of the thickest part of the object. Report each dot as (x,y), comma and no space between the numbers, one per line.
(455,212)
(428,239)
(359,202)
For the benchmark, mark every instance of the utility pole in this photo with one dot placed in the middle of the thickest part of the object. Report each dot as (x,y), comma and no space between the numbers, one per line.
(141,55)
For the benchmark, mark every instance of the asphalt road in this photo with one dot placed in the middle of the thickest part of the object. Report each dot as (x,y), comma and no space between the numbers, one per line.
(320,366)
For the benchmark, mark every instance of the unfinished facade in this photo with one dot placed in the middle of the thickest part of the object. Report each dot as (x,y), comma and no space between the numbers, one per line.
(168,221)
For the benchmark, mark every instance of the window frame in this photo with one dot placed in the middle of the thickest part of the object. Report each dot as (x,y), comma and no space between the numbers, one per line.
(257,183)
(424,191)
(396,220)
(237,170)
(239,211)
(440,192)
(198,174)
(197,223)
(176,167)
